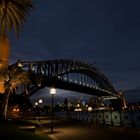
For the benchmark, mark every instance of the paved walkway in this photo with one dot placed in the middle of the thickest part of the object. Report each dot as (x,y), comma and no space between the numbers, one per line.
(73,130)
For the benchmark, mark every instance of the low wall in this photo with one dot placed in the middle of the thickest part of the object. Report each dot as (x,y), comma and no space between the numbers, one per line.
(114,118)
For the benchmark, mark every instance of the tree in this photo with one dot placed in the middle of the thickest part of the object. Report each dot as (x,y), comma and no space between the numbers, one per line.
(13,14)
(11,78)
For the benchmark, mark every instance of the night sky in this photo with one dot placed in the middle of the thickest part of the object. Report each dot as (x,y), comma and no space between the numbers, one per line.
(101,32)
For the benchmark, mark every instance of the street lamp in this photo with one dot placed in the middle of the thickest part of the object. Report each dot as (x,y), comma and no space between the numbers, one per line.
(36,103)
(52,92)
(37,109)
(40,102)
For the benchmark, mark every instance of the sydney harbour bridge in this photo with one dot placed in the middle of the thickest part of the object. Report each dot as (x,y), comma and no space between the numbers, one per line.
(67,74)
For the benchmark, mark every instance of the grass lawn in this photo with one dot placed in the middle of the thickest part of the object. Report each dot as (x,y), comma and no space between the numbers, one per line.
(10,130)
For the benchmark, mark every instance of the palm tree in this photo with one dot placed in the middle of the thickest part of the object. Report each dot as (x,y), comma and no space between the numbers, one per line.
(13,14)
(11,78)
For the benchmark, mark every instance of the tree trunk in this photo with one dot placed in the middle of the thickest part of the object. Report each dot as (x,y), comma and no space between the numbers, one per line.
(4,50)
(6,105)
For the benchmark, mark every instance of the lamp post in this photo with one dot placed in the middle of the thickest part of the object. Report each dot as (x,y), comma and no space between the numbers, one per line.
(36,106)
(52,92)
(36,103)
(40,102)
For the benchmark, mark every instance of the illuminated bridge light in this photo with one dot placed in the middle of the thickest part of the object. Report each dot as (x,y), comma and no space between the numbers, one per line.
(59,77)
(65,78)
(80,83)
(84,84)
(104,90)
(109,97)
(75,81)
(42,71)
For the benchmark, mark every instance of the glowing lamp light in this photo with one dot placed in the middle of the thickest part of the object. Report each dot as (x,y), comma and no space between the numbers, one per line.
(36,103)
(40,101)
(89,109)
(52,91)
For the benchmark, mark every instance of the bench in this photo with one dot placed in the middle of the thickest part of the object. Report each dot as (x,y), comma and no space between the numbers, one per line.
(28,128)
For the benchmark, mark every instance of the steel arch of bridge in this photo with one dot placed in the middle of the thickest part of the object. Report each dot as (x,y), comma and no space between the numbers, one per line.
(58,73)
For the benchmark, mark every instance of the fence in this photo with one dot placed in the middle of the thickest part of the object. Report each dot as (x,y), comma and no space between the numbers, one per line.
(114,118)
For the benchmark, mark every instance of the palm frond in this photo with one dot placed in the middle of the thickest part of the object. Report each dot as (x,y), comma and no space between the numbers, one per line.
(11,78)
(13,14)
